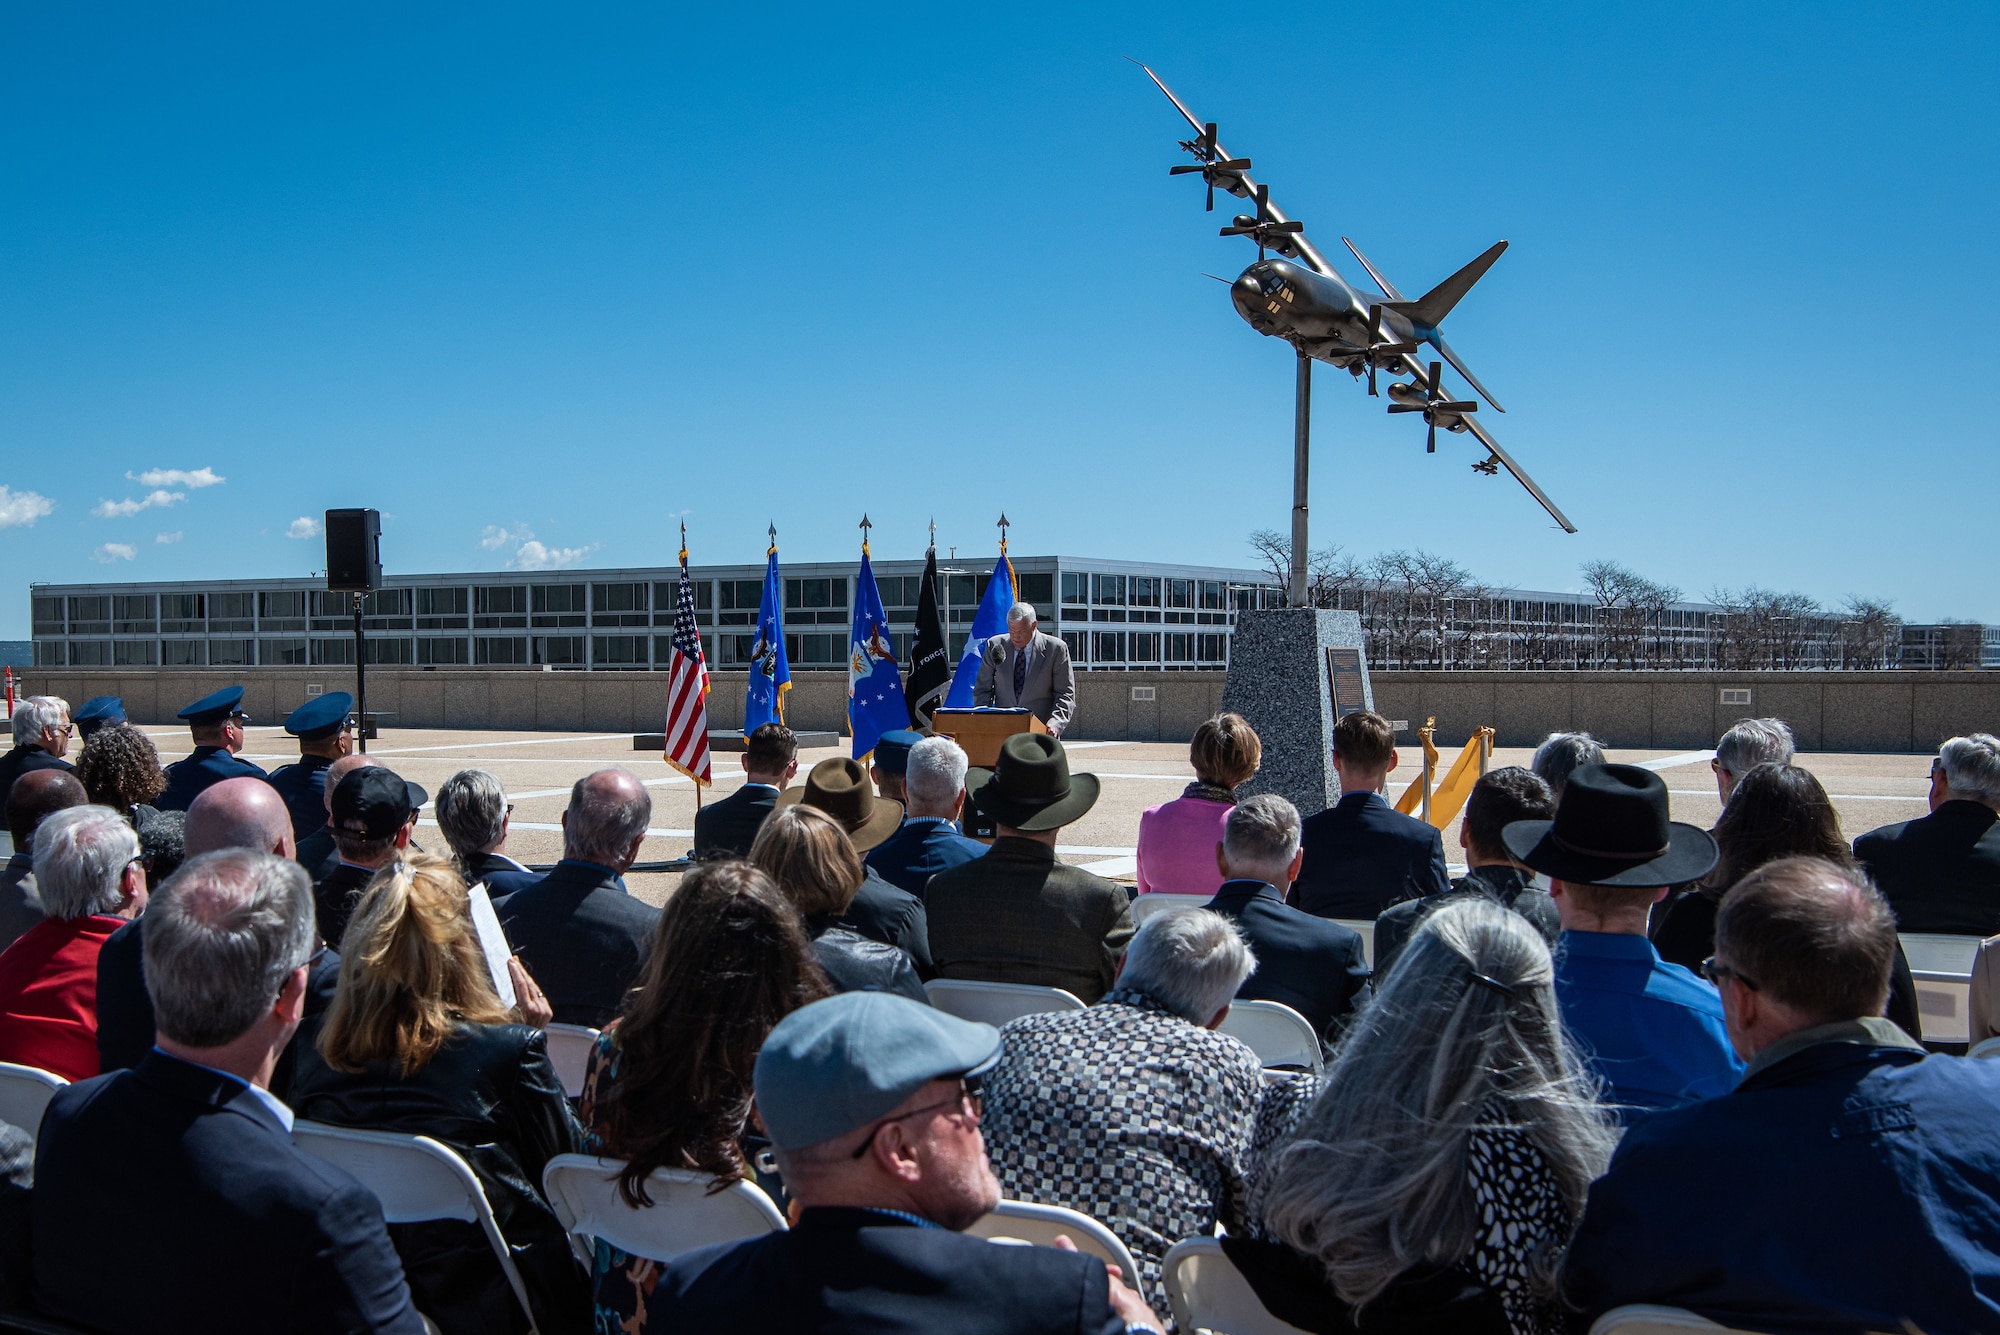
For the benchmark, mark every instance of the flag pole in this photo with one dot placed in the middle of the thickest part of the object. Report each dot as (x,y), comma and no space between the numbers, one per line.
(684,561)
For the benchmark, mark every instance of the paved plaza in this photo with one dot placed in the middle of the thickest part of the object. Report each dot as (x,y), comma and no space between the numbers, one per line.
(539,767)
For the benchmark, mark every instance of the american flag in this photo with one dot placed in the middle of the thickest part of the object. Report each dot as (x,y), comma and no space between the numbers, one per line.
(687,690)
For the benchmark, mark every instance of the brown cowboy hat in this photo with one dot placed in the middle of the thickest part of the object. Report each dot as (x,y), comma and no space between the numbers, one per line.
(1031,788)
(839,787)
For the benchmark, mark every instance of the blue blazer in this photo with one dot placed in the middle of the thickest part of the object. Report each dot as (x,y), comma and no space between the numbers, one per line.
(850,1272)
(1849,1186)
(1314,966)
(243,1231)
(303,786)
(923,847)
(208,765)
(1362,855)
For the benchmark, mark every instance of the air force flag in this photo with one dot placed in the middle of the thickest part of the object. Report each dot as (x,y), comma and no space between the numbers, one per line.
(874,687)
(770,674)
(991,620)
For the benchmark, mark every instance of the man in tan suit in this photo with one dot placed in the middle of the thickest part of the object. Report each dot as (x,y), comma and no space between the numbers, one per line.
(1026,669)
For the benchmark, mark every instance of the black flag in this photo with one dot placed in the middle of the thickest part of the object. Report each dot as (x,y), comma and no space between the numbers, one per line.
(930,664)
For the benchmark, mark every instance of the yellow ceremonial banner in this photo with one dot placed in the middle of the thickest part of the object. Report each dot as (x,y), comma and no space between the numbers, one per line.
(1413,796)
(1449,799)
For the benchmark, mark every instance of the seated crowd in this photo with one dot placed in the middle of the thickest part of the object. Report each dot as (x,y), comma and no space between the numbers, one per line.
(1621,1059)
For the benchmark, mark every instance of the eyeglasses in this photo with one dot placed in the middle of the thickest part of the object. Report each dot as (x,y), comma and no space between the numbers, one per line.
(970,1101)
(1715,973)
(66,729)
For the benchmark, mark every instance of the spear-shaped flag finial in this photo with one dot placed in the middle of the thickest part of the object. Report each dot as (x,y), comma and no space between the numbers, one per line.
(933,533)
(864,526)
(774,535)
(1003,526)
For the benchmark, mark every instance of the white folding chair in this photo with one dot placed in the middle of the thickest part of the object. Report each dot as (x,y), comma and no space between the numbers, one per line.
(997,1003)
(1365,927)
(1042,1224)
(416,1179)
(569,1052)
(1145,906)
(1650,1319)
(1941,967)
(1989,1047)
(1279,1035)
(24,1092)
(684,1214)
(1208,1293)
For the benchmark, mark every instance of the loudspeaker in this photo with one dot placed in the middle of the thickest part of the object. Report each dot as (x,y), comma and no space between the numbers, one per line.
(353,551)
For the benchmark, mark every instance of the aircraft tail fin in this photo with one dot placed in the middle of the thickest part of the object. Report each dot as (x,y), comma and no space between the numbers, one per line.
(1430,309)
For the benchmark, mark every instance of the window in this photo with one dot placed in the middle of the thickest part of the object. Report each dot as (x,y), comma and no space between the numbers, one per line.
(824,599)
(618,651)
(330,611)
(234,653)
(134,615)
(1107,589)
(1180,592)
(500,608)
(180,653)
(963,592)
(387,609)
(815,650)
(1145,591)
(1039,589)
(506,649)
(1076,587)
(1177,647)
(90,653)
(1144,646)
(89,616)
(1079,645)
(332,652)
(442,609)
(291,603)
(667,600)
(739,600)
(560,650)
(1212,648)
(391,649)
(618,604)
(282,653)
(232,612)
(1214,595)
(1108,646)
(48,616)
(452,650)
(560,605)
(135,653)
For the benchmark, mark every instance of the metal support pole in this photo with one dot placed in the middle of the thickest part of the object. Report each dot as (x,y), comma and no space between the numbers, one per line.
(360,678)
(1301,447)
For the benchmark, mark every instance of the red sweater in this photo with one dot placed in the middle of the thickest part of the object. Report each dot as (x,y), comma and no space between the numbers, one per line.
(48,995)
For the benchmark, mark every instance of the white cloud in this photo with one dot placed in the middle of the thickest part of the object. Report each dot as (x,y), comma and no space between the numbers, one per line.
(303,527)
(164,538)
(22,507)
(532,555)
(178,477)
(114,551)
(496,536)
(128,507)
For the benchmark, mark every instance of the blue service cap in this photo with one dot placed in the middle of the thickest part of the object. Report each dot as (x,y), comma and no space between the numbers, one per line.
(835,1066)
(213,708)
(320,716)
(99,711)
(892,750)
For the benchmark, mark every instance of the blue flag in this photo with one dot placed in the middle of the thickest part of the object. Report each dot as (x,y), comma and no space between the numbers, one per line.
(874,687)
(770,674)
(991,620)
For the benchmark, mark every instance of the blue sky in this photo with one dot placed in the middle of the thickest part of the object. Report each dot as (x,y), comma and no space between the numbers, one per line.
(533,281)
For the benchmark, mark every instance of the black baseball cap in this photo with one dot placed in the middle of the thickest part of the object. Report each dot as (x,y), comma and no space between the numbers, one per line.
(373,802)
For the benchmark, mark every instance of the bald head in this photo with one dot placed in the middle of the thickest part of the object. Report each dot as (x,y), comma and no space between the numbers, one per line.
(36,796)
(607,818)
(239,813)
(339,770)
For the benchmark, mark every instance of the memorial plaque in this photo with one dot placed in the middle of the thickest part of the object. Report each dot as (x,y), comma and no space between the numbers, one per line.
(1346,682)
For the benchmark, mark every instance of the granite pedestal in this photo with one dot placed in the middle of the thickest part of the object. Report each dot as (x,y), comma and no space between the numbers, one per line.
(1282,679)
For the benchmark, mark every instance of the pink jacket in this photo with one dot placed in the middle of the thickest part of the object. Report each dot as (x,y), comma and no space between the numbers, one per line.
(1177,842)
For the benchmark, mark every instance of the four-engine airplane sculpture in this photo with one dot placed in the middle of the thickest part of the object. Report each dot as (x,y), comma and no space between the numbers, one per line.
(1300,297)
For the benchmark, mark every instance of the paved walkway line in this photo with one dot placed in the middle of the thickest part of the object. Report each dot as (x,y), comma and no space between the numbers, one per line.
(532,741)
(1675,762)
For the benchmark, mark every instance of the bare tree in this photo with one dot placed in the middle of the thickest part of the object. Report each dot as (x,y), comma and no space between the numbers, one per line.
(1871,634)
(1631,615)
(1274,553)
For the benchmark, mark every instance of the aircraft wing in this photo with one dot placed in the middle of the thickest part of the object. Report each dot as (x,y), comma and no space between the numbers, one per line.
(1478,429)
(1307,250)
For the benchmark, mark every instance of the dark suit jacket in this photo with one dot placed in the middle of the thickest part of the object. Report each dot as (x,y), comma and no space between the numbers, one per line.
(1941,872)
(243,1230)
(125,1008)
(502,875)
(895,917)
(850,1272)
(1362,855)
(303,786)
(207,766)
(20,901)
(1019,916)
(335,897)
(318,854)
(23,760)
(925,846)
(726,829)
(1316,967)
(582,938)
(1509,886)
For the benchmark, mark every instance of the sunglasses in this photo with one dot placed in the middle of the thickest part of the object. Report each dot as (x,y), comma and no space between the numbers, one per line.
(970,1101)
(1715,973)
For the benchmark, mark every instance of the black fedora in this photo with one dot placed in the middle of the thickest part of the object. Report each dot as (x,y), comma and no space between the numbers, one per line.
(1611,828)
(1030,786)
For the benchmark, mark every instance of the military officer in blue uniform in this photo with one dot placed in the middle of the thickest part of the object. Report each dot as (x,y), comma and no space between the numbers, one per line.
(325,735)
(100,711)
(217,722)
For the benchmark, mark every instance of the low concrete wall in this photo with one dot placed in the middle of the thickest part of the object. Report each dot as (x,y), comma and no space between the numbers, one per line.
(1829,711)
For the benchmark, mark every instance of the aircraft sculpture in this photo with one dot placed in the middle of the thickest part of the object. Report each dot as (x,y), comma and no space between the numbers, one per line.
(1300,297)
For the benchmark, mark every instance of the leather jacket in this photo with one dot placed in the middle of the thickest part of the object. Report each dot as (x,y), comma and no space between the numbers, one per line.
(855,963)
(491,1094)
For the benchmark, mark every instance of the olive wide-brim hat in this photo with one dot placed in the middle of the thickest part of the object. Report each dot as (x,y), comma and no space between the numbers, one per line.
(1030,787)
(1611,828)
(839,787)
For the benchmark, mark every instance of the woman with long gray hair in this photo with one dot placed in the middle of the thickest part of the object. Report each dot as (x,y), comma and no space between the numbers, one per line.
(1433,1179)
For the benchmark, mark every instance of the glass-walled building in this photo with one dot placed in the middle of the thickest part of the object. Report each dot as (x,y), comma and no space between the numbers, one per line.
(1113,614)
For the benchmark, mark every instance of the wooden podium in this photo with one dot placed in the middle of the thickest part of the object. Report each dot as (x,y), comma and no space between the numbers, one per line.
(981,731)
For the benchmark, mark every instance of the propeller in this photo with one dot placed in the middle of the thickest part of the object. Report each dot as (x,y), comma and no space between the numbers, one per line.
(1210,166)
(1267,234)
(1377,348)
(1434,406)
